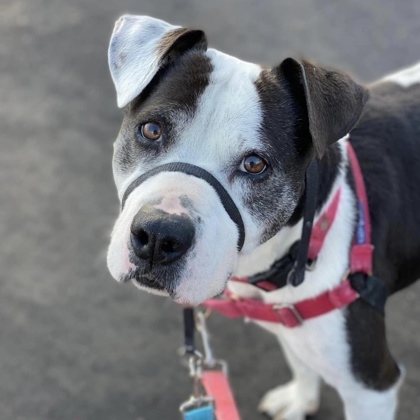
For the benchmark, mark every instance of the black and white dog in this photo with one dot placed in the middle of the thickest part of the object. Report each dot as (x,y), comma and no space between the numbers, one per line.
(256,130)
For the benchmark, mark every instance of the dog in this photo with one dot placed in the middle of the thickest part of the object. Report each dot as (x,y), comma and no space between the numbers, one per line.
(253,132)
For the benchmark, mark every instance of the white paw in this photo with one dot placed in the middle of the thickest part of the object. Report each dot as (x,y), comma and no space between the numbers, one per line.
(288,402)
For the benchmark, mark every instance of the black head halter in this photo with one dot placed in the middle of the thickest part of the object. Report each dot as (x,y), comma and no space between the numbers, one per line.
(186,168)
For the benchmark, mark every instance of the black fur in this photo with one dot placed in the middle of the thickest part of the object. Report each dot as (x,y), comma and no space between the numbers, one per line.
(332,101)
(387,142)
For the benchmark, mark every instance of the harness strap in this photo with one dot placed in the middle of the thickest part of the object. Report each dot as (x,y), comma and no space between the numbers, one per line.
(276,276)
(372,290)
(361,255)
(290,315)
(322,227)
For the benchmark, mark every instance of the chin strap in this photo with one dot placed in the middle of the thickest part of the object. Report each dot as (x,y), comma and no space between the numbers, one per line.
(297,274)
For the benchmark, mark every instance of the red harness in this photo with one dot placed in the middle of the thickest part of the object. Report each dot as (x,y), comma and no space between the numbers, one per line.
(293,315)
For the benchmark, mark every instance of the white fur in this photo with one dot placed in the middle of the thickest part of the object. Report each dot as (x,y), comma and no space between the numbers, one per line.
(406,77)
(171,203)
(366,404)
(133,54)
(298,398)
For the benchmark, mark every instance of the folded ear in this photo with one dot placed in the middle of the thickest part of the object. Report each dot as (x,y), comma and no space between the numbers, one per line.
(140,46)
(333,101)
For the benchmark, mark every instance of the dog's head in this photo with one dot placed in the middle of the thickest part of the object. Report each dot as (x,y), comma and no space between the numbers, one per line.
(255,130)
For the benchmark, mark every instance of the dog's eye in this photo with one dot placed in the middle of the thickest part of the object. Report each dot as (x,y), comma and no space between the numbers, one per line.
(151,131)
(253,164)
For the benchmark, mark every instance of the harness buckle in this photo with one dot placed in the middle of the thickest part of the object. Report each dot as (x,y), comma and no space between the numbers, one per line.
(288,315)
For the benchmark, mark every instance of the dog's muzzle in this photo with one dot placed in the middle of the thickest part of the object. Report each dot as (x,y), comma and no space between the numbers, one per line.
(164,238)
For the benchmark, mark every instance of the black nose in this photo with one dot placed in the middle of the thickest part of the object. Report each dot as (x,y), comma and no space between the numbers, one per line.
(159,237)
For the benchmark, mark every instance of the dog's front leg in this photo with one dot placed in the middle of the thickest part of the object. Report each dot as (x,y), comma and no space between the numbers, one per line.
(362,403)
(296,399)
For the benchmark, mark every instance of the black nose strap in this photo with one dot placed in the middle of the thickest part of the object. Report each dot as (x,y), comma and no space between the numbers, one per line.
(186,168)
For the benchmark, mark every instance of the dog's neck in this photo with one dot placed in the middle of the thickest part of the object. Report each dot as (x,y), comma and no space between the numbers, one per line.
(331,175)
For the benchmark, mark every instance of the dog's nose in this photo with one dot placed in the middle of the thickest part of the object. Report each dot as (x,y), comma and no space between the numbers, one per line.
(160,237)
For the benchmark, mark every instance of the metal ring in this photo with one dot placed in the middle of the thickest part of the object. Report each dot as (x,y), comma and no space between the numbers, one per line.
(312,265)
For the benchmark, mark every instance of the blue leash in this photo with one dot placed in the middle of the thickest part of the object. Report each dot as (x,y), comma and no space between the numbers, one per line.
(200,413)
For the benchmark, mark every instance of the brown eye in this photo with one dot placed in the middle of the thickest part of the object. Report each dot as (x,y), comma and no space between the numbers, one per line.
(151,131)
(253,164)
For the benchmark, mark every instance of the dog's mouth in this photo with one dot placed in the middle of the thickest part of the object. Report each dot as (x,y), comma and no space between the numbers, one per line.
(147,282)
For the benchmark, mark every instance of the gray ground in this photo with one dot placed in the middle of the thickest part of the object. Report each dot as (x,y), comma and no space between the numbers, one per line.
(74,343)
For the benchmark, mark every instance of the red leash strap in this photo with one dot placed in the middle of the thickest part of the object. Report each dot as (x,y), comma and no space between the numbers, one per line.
(217,386)
(322,227)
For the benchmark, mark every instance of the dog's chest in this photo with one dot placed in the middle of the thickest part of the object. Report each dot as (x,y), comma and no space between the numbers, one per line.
(316,341)
(321,344)
(331,264)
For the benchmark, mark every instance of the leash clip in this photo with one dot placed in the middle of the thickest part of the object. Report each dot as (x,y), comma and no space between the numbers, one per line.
(209,361)
(212,397)
(202,405)
(201,326)
(199,406)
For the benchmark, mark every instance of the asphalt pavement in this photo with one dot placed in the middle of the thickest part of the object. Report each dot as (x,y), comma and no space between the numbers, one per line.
(74,344)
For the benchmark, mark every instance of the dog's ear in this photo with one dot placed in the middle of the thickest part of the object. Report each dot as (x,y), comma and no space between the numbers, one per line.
(140,46)
(333,101)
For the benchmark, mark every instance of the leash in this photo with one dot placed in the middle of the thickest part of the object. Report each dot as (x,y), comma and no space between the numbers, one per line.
(212,397)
